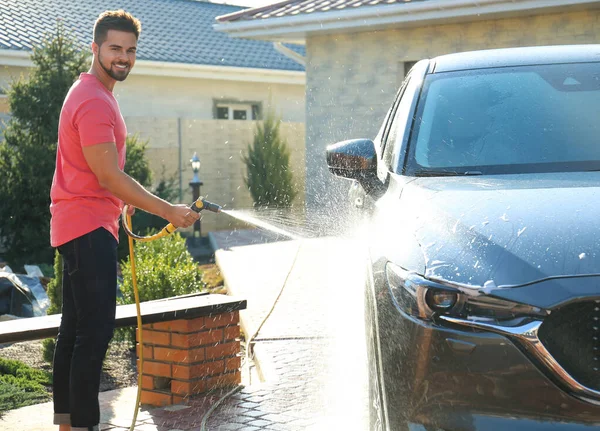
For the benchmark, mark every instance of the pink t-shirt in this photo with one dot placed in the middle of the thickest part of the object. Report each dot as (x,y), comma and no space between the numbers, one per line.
(90,115)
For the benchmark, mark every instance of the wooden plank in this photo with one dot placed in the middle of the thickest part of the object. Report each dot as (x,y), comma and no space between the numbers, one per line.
(183,307)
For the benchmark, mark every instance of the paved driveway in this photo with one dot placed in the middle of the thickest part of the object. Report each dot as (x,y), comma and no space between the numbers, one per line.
(311,348)
(310,352)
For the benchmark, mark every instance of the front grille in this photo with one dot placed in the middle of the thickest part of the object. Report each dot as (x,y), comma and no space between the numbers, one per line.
(571,335)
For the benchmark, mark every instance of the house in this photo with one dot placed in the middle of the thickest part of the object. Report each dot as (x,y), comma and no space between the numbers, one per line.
(358,52)
(193,89)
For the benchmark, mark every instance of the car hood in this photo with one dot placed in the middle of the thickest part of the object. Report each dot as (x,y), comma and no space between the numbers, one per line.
(504,230)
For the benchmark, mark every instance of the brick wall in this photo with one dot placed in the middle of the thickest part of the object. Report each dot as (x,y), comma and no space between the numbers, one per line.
(352,78)
(189,356)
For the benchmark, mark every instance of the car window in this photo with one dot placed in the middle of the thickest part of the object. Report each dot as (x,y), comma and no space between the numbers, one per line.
(401,125)
(379,141)
(389,141)
(522,119)
(391,115)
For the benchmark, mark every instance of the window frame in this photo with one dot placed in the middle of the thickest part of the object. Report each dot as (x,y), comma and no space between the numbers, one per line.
(232,108)
(253,109)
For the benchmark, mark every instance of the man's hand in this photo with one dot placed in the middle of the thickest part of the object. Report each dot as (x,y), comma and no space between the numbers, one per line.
(181,215)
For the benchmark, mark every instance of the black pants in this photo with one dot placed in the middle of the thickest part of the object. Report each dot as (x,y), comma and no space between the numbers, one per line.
(88,320)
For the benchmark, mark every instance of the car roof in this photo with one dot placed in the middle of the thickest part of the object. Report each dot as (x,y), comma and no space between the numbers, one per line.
(508,57)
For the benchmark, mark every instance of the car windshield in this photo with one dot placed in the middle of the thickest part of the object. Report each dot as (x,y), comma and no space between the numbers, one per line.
(508,120)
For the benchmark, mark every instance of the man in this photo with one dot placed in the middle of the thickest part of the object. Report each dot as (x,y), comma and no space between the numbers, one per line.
(88,191)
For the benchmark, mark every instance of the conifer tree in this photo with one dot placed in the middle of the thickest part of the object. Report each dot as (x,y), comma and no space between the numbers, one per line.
(28,151)
(269,178)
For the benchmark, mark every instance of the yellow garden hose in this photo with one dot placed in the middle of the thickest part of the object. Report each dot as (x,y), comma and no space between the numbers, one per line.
(139,319)
(197,206)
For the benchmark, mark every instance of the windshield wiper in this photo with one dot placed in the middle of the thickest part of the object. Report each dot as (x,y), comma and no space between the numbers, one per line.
(445,173)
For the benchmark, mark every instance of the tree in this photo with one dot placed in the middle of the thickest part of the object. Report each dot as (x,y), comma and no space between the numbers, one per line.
(28,152)
(269,179)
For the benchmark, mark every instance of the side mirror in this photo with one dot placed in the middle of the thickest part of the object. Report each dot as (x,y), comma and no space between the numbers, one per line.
(352,159)
(356,160)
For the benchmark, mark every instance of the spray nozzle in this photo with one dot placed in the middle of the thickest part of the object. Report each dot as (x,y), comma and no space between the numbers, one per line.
(203,204)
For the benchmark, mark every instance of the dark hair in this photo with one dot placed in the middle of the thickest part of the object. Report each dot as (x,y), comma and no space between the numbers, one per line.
(115,20)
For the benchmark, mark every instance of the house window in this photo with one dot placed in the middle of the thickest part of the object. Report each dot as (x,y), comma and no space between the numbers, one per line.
(240,114)
(235,111)
(222,113)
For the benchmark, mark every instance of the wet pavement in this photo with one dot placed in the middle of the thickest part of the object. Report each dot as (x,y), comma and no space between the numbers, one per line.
(310,351)
(309,368)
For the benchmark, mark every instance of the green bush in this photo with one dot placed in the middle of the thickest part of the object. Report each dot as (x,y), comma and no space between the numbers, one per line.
(55,286)
(28,151)
(268,178)
(21,385)
(55,296)
(164,268)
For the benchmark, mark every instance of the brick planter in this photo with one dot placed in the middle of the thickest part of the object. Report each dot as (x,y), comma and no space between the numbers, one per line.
(190,356)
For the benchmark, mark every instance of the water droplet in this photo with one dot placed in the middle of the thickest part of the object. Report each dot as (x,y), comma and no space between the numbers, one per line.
(582,256)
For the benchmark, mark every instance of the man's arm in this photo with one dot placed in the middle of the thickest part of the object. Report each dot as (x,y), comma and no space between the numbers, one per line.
(103,160)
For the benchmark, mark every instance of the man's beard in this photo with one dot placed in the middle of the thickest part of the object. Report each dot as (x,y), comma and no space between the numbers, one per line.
(114,75)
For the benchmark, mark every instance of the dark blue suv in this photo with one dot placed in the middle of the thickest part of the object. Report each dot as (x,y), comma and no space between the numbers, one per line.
(483,290)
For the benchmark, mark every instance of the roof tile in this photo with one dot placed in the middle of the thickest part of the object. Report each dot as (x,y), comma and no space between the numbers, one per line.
(172,30)
(297,7)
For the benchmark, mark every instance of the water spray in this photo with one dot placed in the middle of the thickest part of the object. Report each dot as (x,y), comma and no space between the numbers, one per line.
(199,205)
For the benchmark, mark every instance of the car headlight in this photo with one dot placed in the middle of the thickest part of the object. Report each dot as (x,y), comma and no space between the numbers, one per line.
(440,300)
(423,298)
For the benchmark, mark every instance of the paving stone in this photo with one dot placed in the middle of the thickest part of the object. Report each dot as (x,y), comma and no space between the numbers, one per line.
(260,423)
(231,427)
(248,405)
(278,418)
(276,427)
(254,413)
